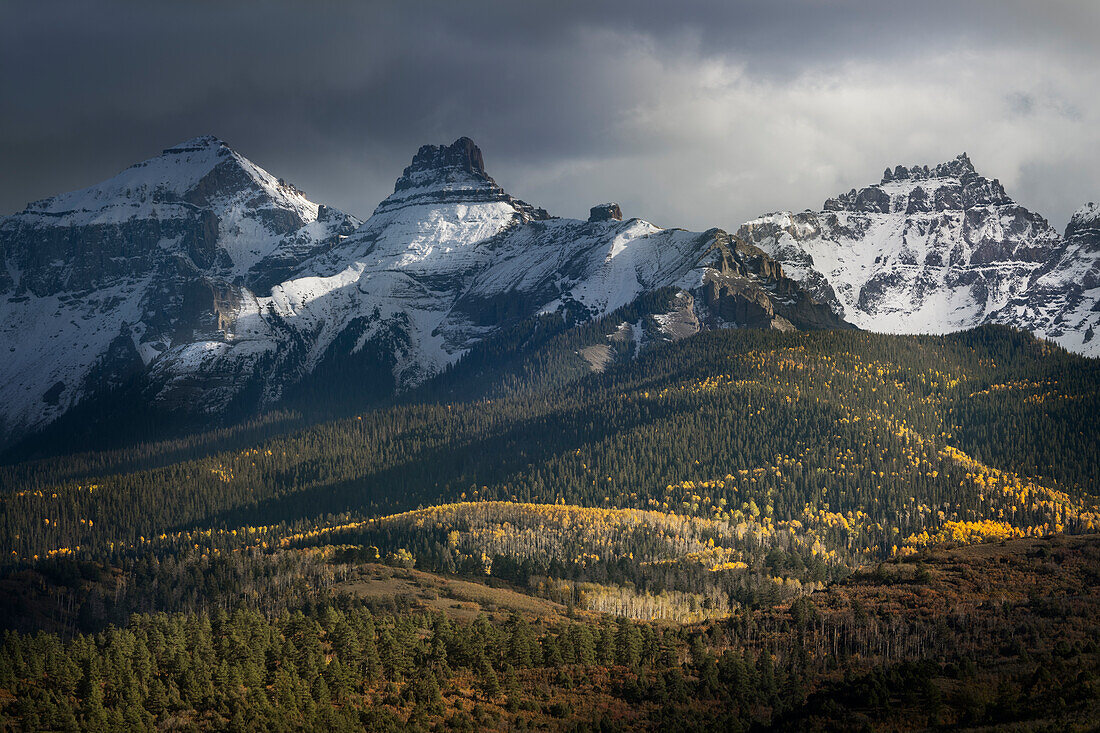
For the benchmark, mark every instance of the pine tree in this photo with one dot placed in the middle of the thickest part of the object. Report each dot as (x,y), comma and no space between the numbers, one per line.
(583,645)
(94,714)
(487,679)
(426,693)
(628,644)
(519,643)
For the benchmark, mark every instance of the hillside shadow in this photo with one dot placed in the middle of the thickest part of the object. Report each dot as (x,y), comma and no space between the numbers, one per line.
(434,476)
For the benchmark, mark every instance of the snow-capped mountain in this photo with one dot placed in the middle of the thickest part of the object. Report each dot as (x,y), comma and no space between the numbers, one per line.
(927,250)
(214,286)
(97,284)
(443,262)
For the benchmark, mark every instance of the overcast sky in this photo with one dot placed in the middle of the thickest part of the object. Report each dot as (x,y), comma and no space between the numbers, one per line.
(688,114)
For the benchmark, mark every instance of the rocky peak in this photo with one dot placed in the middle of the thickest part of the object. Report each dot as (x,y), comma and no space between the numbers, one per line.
(605,212)
(953,185)
(957,168)
(938,248)
(192,201)
(1084,226)
(1087,216)
(444,163)
(197,171)
(455,173)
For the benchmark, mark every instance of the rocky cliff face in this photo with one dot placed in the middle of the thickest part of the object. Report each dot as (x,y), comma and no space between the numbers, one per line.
(928,249)
(219,287)
(744,287)
(605,212)
(450,174)
(1062,299)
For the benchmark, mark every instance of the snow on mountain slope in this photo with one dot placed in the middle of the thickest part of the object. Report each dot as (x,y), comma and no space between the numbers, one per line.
(926,250)
(254,210)
(97,283)
(1062,301)
(394,278)
(216,288)
(445,261)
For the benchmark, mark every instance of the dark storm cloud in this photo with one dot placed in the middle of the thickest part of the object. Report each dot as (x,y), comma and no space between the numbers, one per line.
(691,114)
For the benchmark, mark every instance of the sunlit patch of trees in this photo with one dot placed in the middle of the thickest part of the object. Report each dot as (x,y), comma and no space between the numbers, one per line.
(968,533)
(636,563)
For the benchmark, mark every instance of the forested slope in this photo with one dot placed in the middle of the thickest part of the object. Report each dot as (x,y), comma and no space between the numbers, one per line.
(845,446)
(945,638)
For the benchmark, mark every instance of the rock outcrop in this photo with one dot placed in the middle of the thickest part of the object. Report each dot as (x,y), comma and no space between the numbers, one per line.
(605,212)
(442,174)
(744,287)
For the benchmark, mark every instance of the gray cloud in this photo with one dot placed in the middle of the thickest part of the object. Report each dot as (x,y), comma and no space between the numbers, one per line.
(690,114)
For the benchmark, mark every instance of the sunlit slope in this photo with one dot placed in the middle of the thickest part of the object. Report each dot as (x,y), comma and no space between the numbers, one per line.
(873,442)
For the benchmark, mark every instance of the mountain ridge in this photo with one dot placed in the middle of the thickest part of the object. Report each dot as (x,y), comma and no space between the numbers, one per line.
(199,284)
(250,289)
(929,249)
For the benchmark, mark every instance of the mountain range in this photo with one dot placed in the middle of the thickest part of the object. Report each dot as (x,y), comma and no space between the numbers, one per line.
(196,283)
(940,249)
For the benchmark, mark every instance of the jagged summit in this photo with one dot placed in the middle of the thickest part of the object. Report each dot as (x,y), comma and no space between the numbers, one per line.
(957,168)
(1087,215)
(928,249)
(462,156)
(954,185)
